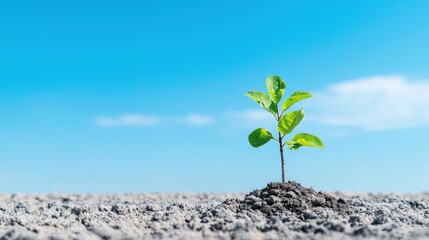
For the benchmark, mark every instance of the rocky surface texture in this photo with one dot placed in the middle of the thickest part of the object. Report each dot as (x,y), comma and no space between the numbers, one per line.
(278,211)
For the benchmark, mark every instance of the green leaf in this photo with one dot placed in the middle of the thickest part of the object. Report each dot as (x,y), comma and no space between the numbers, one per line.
(304,139)
(276,87)
(292,145)
(264,100)
(289,121)
(294,98)
(259,137)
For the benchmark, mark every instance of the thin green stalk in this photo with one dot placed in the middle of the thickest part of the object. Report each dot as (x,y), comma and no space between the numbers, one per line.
(281,151)
(282,157)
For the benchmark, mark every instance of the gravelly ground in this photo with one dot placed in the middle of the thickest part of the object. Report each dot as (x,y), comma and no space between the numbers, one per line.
(286,211)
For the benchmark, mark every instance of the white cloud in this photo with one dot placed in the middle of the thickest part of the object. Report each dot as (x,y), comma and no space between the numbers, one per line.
(138,120)
(128,120)
(373,103)
(198,120)
(248,119)
(253,115)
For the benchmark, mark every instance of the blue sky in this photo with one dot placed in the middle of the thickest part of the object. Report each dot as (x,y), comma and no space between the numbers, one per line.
(148,96)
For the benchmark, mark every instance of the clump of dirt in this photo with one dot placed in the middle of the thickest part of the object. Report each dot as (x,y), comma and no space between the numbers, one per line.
(286,198)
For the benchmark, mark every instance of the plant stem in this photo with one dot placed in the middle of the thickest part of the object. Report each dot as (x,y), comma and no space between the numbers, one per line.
(281,148)
(282,157)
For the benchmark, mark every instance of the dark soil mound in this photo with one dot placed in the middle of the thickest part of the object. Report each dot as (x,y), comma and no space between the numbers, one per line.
(286,198)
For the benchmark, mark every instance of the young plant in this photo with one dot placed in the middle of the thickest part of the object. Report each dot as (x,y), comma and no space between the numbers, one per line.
(286,121)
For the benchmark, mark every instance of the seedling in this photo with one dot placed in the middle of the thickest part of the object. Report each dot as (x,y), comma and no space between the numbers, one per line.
(286,121)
